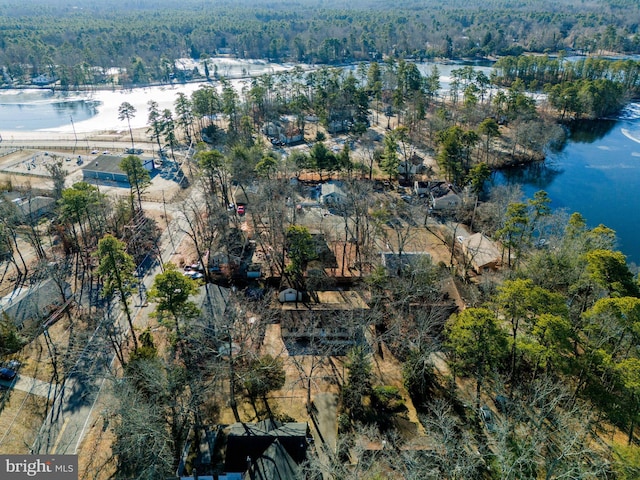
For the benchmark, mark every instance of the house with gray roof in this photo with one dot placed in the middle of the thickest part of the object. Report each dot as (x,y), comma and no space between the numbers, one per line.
(106,168)
(331,193)
(32,303)
(34,208)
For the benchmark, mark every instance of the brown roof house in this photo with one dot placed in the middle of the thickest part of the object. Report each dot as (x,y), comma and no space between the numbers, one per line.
(482,253)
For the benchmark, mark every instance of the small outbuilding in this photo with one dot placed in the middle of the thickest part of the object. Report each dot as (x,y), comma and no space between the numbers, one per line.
(290,295)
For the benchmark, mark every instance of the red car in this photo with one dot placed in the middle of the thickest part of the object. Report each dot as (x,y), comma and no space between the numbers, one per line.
(240,210)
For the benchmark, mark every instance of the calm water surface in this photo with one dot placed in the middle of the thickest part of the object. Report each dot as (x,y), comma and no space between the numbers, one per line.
(596,174)
(42,109)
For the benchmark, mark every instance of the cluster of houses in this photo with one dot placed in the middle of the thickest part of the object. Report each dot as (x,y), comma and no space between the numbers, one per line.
(442,196)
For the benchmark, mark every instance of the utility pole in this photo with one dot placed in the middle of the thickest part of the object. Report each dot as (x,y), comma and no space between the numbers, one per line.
(166,221)
(74,134)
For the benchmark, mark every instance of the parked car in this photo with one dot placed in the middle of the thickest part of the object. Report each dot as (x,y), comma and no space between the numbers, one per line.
(7,373)
(193,274)
(240,210)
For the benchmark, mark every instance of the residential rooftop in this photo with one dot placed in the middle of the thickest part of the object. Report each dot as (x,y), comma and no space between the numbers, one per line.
(330,300)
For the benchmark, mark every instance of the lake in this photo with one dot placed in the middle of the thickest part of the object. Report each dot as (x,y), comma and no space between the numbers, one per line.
(41,109)
(597,174)
(28,110)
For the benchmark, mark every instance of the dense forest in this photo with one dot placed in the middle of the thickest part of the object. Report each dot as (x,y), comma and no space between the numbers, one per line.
(56,37)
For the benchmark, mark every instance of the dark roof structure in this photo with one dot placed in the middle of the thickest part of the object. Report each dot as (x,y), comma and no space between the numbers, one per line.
(35,207)
(248,442)
(107,167)
(274,464)
(398,263)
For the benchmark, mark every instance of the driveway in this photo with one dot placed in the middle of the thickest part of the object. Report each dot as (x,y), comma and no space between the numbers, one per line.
(29,385)
(325,419)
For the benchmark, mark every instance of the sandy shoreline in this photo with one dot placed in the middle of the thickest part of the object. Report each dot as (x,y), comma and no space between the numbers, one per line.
(116,139)
(20,136)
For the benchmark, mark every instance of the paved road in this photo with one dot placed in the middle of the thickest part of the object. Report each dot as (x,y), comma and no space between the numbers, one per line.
(64,428)
(67,144)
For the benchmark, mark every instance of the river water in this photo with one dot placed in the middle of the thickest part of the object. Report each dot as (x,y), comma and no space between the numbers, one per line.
(597,174)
